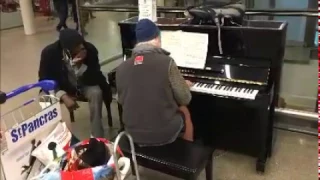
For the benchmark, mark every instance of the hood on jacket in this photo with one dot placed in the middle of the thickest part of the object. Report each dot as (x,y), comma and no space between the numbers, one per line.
(70,39)
(148,48)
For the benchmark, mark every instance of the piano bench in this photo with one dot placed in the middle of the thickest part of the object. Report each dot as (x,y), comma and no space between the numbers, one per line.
(181,159)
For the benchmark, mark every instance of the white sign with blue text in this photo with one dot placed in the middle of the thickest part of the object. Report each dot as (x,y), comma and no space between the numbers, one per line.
(30,128)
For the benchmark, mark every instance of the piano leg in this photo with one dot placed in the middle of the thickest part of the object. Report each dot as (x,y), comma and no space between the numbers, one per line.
(265,132)
(120,118)
(271,135)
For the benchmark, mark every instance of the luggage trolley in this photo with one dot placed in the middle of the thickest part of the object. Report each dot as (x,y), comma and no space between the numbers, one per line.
(46,102)
(15,118)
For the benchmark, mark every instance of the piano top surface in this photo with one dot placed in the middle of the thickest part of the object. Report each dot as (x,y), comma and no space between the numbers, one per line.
(254,39)
(247,24)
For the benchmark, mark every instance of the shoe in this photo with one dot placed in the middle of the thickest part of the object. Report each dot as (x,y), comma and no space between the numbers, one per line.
(58,28)
(65,26)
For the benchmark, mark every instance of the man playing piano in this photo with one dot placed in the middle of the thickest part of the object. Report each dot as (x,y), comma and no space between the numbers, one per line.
(152,92)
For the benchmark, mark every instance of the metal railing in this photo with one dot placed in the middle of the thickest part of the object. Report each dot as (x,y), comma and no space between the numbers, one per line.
(164,9)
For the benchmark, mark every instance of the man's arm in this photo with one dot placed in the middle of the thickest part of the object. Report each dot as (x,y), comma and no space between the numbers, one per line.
(92,65)
(181,90)
(182,95)
(45,71)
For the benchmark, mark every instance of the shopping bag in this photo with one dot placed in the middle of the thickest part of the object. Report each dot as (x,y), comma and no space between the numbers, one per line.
(71,162)
(54,145)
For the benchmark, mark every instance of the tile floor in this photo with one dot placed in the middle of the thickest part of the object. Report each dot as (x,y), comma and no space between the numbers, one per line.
(295,155)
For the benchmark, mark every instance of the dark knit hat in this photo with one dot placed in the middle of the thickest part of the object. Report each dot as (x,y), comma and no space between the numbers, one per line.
(70,39)
(146,30)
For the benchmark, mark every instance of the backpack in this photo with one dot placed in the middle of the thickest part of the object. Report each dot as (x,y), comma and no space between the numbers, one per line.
(219,14)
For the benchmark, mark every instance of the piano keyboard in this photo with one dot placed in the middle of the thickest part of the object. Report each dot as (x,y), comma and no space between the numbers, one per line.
(227,91)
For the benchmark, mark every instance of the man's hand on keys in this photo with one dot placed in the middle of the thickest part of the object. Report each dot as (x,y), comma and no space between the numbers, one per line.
(189,83)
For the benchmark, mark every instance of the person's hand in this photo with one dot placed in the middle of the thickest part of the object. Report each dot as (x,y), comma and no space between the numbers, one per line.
(189,83)
(80,56)
(70,103)
(77,61)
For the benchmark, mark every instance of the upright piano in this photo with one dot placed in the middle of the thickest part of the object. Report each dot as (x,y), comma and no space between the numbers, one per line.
(234,96)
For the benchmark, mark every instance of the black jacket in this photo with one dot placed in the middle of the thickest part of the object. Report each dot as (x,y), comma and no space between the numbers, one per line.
(52,67)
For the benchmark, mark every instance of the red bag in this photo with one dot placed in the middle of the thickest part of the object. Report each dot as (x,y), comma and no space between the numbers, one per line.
(73,162)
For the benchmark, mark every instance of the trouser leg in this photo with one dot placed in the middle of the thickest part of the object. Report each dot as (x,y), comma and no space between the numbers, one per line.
(107,99)
(74,11)
(62,10)
(94,96)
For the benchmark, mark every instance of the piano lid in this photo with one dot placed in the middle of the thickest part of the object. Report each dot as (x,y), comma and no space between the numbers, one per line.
(254,39)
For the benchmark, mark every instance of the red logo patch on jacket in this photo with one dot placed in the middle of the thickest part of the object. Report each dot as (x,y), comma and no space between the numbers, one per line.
(138,60)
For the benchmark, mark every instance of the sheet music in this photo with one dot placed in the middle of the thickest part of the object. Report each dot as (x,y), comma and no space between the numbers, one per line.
(171,41)
(187,49)
(148,10)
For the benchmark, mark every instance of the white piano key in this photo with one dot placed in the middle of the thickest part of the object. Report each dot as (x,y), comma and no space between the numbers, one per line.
(227,91)
(255,92)
(233,92)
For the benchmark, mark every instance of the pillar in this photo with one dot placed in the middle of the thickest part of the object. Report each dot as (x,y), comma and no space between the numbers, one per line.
(27,17)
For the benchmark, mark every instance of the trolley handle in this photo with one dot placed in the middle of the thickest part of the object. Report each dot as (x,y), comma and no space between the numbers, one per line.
(3,97)
(46,85)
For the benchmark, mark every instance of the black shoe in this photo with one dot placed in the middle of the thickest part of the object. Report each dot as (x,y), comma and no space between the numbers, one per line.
(65,26)
(58,28)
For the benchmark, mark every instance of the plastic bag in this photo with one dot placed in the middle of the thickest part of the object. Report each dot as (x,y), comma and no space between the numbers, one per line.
(67,168)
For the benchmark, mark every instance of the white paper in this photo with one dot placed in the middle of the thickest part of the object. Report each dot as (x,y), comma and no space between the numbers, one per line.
(61,136)
(187,49)
(148,10)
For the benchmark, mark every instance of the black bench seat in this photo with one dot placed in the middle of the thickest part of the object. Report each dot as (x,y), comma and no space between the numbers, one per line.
(180,159)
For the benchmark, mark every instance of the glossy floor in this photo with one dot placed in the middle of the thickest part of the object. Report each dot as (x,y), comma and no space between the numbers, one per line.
(295,155)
